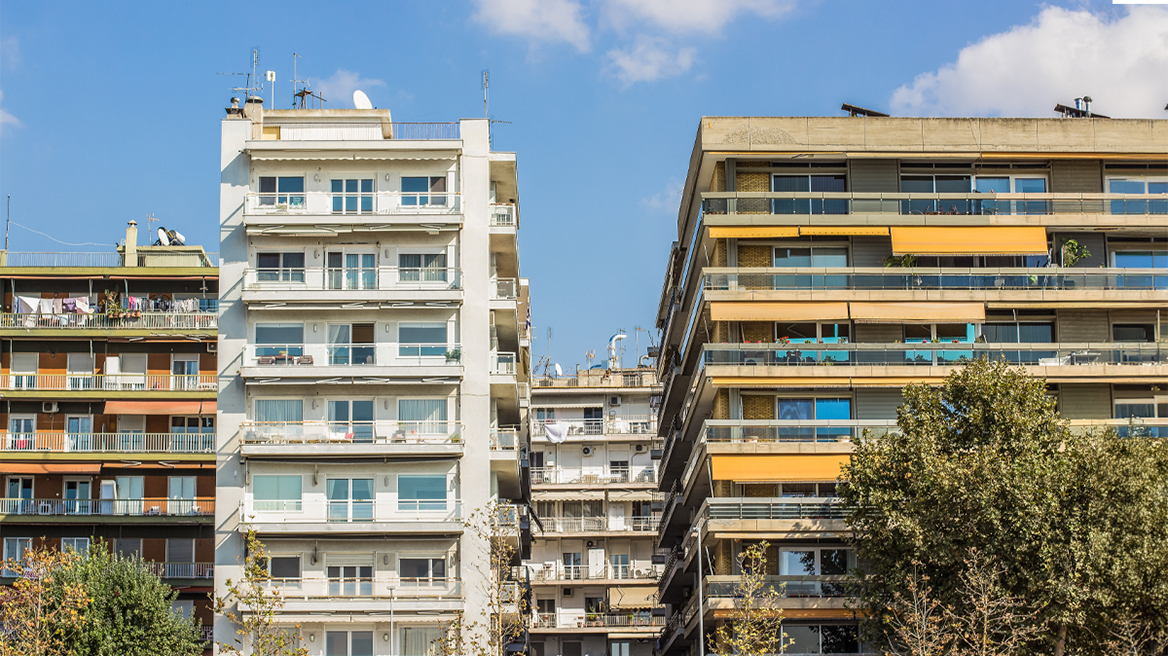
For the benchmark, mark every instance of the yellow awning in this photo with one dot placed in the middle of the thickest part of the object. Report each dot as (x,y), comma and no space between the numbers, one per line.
(747,311)
(893,312)
(843,230)
(641,597)
(753,232)
(982,240)
(778,468)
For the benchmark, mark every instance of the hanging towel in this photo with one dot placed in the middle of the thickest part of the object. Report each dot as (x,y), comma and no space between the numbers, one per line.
(28,304)
(58,306)
(46,306)
(69,305)
(83,305)
(555,432)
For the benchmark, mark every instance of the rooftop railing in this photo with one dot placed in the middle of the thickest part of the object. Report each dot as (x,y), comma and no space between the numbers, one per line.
(736,508)
(351,432)
(109,442)
(102,321)
(146,507)
(365,587)
(599,378)
(592,475)
(934,354)
(895,279)
(353,207)
(110,382)
(356,130)
(825,202)
(353,279)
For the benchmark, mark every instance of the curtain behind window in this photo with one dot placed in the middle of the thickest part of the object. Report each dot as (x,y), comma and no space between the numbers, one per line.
(420,641)
(279,410)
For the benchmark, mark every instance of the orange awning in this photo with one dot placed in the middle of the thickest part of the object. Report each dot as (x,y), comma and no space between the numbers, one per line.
(778,468)
(159,407)
(746,311)
(51,468)
(844,231)
(753,232)
(170,464)
(982,240)
(893,312)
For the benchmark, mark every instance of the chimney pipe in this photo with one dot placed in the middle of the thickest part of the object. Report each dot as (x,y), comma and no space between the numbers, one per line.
(130,256)
(234,109)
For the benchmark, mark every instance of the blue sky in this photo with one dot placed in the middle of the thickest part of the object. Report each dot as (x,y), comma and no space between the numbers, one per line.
(110,111)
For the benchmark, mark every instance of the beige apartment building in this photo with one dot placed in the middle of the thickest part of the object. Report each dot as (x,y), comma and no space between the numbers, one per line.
(822,264)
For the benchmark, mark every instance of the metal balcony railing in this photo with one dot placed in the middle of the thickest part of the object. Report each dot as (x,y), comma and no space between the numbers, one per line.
(110,382)
(353,432)
(503,363)
(161,507)
(623,425)
(353,355)
(366,204)
(935,354)
(351,511)
(581,619)
(103,321)
(1044,279)
(826,202)
(505,438)
(353,279)
(109,442)
(793,430)
(635,571)
(182,570)
(503,215)
(364,587)
(592,475)
(736,508)
(594,524)
(787,586)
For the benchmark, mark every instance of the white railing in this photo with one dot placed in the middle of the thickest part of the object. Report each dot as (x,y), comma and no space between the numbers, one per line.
(505,289)
(355,432)
(582,619)
(592,475)
(131,507)
(503,215)
(362,587)
(353,279)
(109,442)
(352,511)
(182,570)
(593,524)
(352,355)
(505,438)
(635,571)
(624,425)
(103,321)
(503,363)
(111,382)
(377,203)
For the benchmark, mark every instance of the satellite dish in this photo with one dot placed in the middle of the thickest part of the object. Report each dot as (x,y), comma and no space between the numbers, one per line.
(176,238)
(361,101)
(163,238)
(559,372)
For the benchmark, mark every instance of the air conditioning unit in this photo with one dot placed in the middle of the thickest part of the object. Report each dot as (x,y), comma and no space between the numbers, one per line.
(640,448)
(212,347)
(587,450)
(614,400)
(49,407)
(591,544)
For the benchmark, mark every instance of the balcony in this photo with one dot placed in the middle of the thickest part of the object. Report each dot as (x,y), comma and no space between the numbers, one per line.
(84,385)
(85,511)
(360,595)
(555,572)
(352,517)
(503,363)
(107,443)
(627,425)
(323,439)
(600,524)
(327,214)
(369,360)
(778,431)
(201,571)
(588,476)
(787,587)
(636,621)
(504,215)
(337,285)
(600,378)
(99,323)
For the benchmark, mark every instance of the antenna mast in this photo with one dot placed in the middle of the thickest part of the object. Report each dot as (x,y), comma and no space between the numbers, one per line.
(8,224)
(486,90)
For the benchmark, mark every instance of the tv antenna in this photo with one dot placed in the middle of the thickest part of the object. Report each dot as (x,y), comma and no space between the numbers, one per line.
(486,91)
(303,96)
(251,78)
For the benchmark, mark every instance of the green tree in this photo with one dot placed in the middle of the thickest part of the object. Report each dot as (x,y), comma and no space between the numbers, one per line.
(251,604)
(984,464)
(37,612)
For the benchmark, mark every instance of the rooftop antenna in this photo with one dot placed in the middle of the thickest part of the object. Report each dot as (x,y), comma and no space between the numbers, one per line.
(271,77)
(302,97)
(486,91)
(150,219)
(8,224)
(551,332)
(247,88)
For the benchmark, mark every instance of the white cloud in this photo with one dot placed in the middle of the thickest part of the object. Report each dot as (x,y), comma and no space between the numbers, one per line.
(338,88)
(542,20)
(6,118)
(1120,61)
(651,59)
(687,16)
(667,199)
(9,52)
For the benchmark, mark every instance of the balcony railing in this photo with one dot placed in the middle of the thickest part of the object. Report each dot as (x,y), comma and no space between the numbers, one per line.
(636,571)
(581,619)
(103,321)
(503,363)
(370,204)
(352,511)
(624,425)
(793,430)
(367,588)
(110,382)
(109,442)
(182,570)
(592,475)
(787,586)
(345,131)
(812,203)
(934,354)
(181,258)
(772,508)
(898,279)
(505,289)
(353,355)
(591,524)
(353,432)
(600,378)
(112,507)
(505,438)
(353,279)
(503,216)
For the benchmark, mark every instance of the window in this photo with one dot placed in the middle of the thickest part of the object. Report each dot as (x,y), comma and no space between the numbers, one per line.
(1138,185)
(351,420)
(284,567)
(280,192)
(129,495)
(278,343)
(935,184)
(24,370)
(77,496)
(813,183)
(422,416)
(419,191)
(126,547)
(421,640)
(352,196)
(21,433)
(351,270)
(350,580)
(419,571)
(807,561)
(809,333)
(279,410)
(80,545)
(822,639)
(620,565)
(421,267)
(180,558)
(1133,332)
(573,567)
(1004,184)
(180,494)
(1125,260)
(348,643)
(1016,332)
(183,608)
(349,499)
(276,493)
(421,493)
(618,648)
(546,606)
(185,369)
(351,344)
(820,409)
(191,434)
(811,256)
(280,267)
(421,339)
(80,371)
(15,548)
(593,421)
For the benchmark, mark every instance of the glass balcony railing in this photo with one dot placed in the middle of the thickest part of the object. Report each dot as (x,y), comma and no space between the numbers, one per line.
(337,589)
(741,431)
(305,356)
(1027,279)
(351,511)
(818,203)
(355,432)
(354,206)
(592,475)
(934,354)
(353,279)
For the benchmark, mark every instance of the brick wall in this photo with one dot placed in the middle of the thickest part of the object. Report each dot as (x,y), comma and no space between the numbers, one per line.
(722,405)
(758,331)
(718,183)
(756,406)
(755,256)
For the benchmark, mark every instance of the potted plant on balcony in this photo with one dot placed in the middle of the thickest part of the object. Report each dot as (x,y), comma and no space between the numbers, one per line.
(454,355)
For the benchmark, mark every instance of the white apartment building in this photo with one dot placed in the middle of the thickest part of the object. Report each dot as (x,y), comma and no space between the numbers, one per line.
(374,369)
(594,567)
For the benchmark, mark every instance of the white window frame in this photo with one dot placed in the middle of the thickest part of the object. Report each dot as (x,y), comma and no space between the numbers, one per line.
(352,250)
(430,556)
(297,507)
(359,177)
(74,543)
(12,547)
(11,434)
